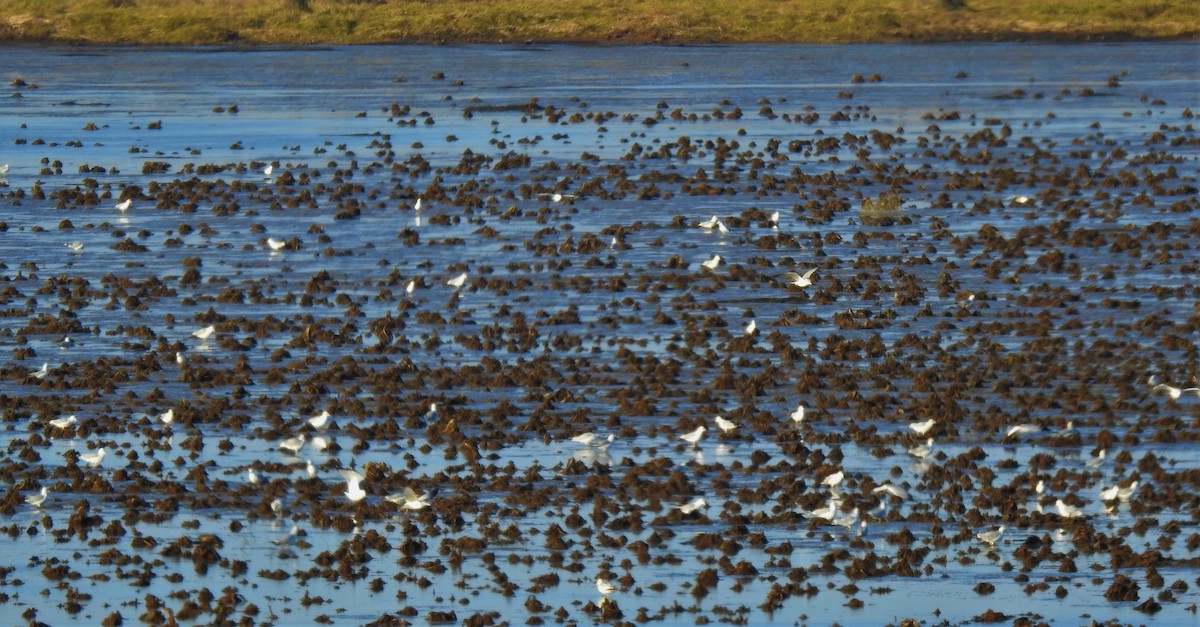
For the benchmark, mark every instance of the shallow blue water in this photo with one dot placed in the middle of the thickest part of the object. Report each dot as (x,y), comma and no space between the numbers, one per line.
(317,111)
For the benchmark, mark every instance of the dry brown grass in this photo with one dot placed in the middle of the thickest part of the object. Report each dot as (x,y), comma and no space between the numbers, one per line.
(625,21)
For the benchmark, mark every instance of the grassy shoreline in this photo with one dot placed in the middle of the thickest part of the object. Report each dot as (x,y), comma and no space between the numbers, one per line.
(200,22)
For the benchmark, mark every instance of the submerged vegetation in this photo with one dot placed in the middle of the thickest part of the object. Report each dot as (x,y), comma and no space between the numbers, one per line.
(618,21)
(882,211)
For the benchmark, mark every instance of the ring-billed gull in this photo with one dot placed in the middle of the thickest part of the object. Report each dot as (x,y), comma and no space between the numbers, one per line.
(269,170)
(320,420)
(845,521)
(167,417)
(1066,510)
(833,480)
(1110,494)
(828,512)
(800,280)
(990,538)
(458,281)
(36,500)
(693,437)
(713,223)
(1096,461)
(204,333)
(40,373)
(292,445)
(124,206)
(251,476)
(712,263)
(410,500)
(693,505)
(922,427)
(891,489)
(94,459)
(354,491)
(1172,392)
(288,539)
(751,327)
(63,423)
(798,415)
(275,244)
(593,439)
(1022,429)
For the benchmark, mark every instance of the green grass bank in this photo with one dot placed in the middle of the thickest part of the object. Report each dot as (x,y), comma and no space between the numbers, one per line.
(182,22)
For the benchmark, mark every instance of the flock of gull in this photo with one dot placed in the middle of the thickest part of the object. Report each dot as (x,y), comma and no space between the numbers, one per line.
(778,393)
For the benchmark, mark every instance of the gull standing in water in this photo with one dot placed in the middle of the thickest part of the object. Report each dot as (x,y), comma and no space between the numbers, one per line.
(75,246)
(63,423)
(712,263)
(1067,511)
(458,281)
(204,333)
(319,421)
(693,505)
(593,439)
(829,512)
(276,245)
(94,459)
(292,445)
(36,500)
(798,415)
(288,539)
(751,327)
(124,206)
(990,538)
(1110,494)
(713,223)
(40,373)
(167,417)
(1096,461)
(693,437)
(604,587)
(922,451)
(724,425)
(846,521)
(833,480)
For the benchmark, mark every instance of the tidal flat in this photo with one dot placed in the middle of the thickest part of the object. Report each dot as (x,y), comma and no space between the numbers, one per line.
(943,299)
